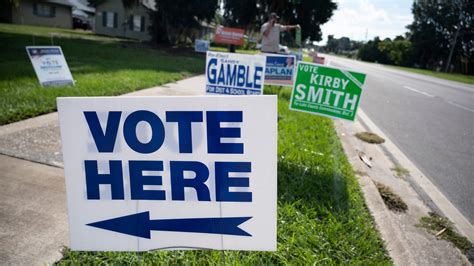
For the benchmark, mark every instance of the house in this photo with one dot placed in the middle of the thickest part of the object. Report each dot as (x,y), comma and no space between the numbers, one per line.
(49,13)
(113,19)
(82,14)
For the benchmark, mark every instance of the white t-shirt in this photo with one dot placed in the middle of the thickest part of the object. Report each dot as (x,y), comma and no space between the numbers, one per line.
(271,42)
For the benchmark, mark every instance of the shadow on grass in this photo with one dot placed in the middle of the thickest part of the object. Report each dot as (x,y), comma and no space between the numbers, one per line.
(99,69)
(322,190)
(88,57)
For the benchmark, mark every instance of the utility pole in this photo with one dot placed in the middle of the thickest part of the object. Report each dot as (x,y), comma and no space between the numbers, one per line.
(448,63)
(452,50)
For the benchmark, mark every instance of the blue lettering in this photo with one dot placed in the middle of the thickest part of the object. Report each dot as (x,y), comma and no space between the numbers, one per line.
(211,70)
(231,75)
(138,180)
(224,182)
(130,131)
(104,141)
(257,77)
(215,132)
(240,75)
(221,78)
(247,83)
(178,182)
(94,179)
(184,119)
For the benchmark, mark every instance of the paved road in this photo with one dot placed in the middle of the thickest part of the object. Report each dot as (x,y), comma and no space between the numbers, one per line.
(429,119)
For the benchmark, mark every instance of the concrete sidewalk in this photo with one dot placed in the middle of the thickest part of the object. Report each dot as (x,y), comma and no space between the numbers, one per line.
(33,220)
(33,213)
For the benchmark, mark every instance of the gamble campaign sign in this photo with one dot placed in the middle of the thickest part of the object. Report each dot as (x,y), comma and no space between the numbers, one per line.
(326,91)
(50,66)
(234,74)
(279,69)
(146,173)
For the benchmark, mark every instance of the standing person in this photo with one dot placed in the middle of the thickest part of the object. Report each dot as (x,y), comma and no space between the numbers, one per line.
(270,31)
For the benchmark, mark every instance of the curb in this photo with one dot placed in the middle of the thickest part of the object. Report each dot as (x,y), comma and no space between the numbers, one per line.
(430,194)
(406,243)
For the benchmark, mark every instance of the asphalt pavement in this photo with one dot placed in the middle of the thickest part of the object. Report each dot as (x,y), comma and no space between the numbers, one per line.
(431,121)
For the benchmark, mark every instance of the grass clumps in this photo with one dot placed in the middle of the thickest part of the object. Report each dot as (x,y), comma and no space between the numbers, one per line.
(392,201)
(400,172)
(443,228)
(370,137)
(361,173)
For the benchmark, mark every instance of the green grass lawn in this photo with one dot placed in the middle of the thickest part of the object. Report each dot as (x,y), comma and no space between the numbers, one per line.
(322,218)
(100,65)
(449,76)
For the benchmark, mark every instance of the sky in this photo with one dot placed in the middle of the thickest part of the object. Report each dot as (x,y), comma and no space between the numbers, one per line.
(355,18)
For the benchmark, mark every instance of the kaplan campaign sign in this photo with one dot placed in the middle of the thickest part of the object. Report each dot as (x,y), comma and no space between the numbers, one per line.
(201,45)
(279,69)
(234,74)
(49,65)
(146,173)
(326,91)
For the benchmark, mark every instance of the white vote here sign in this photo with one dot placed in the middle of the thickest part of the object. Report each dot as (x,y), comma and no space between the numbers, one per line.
(146,173)
(50,65)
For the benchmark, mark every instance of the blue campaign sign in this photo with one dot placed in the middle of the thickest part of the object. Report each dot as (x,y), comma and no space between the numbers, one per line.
(279,69)
(201,45)
(234,74)
(298,55)
(162,172)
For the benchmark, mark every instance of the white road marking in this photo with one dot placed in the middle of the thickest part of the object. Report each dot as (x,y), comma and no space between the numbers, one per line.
(460,106)
(418,91)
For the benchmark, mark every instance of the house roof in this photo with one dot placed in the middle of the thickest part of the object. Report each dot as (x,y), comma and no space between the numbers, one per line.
(79,13)
(82,5)
(150,4)
(60,2)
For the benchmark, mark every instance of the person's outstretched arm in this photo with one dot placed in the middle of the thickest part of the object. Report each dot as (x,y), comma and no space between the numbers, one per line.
(290,27)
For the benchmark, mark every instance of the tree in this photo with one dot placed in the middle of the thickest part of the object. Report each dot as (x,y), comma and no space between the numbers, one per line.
(177,19)
(370,52)
(8,4)
(439,26)
(251,14)
(343,45)
(399,51)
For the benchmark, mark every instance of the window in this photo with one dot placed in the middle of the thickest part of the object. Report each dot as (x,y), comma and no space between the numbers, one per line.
(136,23)
(109,19)
(44,10)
